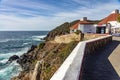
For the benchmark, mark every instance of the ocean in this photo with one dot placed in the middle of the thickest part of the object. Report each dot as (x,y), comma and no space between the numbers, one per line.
(16,43)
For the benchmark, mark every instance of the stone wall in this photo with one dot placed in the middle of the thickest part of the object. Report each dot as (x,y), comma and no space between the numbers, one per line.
(71,69)
(67,38)
(94,45)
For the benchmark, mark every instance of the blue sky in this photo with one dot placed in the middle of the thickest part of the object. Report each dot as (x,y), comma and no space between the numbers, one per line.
(47,14)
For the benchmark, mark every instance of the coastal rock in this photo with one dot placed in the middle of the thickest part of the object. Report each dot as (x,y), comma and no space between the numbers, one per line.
(37,71)
(32,48)
(67,38)
(50,52)
(14,57)
(60,30)
(24,61)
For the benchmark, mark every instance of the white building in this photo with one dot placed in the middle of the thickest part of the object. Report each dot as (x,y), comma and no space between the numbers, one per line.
(109,24)
(84,25)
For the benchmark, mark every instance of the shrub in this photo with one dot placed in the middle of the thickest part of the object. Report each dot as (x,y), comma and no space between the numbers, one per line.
(60,30)
(118,18)
(78,32)
(54,60)
(41,45)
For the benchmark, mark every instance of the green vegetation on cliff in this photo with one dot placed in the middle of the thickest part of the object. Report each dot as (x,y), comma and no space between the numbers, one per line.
(118,18)
(64,29)
(55,58)
(60,30)
(50,53)
(52,56)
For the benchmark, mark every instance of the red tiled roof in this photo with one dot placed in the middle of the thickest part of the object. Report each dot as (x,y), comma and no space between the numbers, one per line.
(85,22)
(111,17)
(80,22)
(75,26)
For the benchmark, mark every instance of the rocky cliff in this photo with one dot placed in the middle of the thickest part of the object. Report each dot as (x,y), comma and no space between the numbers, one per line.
(41,62)
(60,30)
(51,56)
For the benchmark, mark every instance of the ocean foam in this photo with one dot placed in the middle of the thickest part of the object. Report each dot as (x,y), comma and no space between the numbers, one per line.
(7,55)
(38,38)
(24,44)
(4,61)
(7,40)
(9,71)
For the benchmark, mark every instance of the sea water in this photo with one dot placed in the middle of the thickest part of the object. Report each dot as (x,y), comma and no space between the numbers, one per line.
(16,43)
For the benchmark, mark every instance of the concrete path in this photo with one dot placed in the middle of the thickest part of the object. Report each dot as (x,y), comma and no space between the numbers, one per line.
(97,66)
(114,59)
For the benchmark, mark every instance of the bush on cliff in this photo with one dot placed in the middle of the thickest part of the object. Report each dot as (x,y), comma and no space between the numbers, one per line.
(55,58)
(60,30)
(41,45)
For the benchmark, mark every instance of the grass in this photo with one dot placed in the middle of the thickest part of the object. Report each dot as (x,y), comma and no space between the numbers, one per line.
(54,59)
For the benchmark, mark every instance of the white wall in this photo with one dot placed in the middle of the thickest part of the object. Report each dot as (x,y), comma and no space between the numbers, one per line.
(115,26)
(88,28)
(114,23)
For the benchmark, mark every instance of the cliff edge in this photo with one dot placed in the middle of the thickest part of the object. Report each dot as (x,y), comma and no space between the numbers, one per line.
(41,62)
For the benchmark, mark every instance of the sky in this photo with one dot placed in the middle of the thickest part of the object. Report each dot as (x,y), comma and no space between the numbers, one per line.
(29,15)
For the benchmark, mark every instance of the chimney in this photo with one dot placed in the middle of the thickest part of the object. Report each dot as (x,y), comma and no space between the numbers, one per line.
(117,11)
(84,19)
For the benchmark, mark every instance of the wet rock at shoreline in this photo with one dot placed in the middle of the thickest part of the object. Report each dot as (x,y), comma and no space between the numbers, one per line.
(12,58)
(32,48)
(26,60)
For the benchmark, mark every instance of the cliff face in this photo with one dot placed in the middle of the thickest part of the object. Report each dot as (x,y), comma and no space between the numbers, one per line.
(60,30)
(41,61)
(51,56)
(67,38)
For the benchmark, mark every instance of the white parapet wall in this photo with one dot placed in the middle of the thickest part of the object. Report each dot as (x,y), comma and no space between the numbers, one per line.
(72,66)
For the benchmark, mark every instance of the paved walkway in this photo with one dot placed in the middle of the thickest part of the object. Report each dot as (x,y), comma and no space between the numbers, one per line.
(97,66)
(114,59)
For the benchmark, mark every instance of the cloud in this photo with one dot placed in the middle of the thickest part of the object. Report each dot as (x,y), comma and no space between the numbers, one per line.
(97,12)
(25,4)
(33,23)
(23,7)
(41,15)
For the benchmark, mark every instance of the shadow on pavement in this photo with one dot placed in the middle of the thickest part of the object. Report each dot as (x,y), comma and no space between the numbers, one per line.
(96,66)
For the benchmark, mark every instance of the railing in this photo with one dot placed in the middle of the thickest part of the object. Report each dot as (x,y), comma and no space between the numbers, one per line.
(71,69)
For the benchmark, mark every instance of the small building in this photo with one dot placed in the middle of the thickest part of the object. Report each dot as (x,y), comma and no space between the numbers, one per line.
(109,24)
(84,25)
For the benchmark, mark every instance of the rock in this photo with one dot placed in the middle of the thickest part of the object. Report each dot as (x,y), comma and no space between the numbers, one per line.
(32,48)
(37,71)
(25,61)
(12,58)
(67,38)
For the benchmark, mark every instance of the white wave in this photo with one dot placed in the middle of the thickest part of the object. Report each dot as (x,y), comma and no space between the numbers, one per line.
(42,36)
(6,40)
(7,55)
(9,71)
(13,68)
(4,61)
(38,38)
(25,44)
